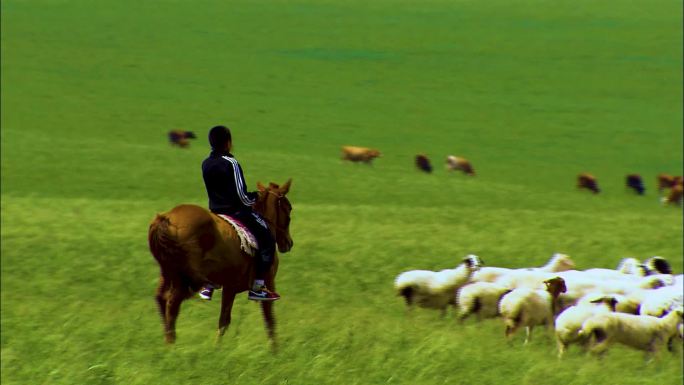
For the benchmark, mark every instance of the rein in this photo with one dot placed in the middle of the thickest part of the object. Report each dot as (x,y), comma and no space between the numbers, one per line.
(272,225)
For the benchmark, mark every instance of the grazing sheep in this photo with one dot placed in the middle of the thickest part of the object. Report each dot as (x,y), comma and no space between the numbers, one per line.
(527,307)
(430,289)
(180,138)
(460,164)
(423,163)
(569,322)
(588,181)
(557,262)
(481,299)
(359,154)
(637,331)
(634,182)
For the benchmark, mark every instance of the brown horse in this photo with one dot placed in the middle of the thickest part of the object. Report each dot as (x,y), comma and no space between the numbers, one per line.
(194,246)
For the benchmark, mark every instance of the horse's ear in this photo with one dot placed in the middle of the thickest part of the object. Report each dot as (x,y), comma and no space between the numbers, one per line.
(261,187)
(285,187)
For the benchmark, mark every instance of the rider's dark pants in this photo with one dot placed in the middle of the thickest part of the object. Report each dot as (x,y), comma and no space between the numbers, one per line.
(258,226)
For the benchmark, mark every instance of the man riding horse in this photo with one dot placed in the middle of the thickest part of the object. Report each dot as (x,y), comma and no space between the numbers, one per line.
(227,193)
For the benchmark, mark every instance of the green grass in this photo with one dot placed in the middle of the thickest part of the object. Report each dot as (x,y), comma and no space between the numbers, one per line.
(533,92)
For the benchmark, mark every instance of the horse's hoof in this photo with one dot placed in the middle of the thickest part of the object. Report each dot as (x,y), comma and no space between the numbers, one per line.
(170,338)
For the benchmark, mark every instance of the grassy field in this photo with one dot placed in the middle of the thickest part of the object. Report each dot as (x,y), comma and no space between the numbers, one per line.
(533,92)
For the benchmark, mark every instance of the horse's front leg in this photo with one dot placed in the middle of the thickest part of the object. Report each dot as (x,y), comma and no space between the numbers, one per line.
(227,299)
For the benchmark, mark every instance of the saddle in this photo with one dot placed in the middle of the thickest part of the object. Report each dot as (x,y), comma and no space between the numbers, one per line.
(248,242)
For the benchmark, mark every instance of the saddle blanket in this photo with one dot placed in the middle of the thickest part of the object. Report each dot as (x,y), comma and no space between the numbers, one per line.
(248,242)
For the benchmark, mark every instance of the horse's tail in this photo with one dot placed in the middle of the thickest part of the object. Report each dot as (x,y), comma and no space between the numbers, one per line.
(170,254)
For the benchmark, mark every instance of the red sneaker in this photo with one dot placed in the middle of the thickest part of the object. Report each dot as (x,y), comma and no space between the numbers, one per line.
(263,294)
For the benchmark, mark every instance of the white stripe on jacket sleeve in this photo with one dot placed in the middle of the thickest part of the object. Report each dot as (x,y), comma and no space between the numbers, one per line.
(239,182)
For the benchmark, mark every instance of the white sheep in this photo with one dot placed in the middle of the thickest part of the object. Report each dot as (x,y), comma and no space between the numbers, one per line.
(528,307)
(661,301)
(678,280)
(579,283)
(628,268)
(658,300)
(641,332)
(525,278)
(557,262)
(629,294)
(481,299)
(569,322)
(430,289)
(632,266)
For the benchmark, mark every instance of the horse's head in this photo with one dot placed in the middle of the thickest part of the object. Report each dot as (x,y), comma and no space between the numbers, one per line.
(274,206)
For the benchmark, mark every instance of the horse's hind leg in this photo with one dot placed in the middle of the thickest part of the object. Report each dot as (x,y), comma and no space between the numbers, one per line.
(227,299)
(269,319)
(161,298)
(173,303)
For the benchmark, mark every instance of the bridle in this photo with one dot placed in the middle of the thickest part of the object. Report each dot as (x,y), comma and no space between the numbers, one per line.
(275,226)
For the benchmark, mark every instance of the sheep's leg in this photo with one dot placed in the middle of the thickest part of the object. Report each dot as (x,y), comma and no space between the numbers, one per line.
(528,334)
(550,328)
(599,349)
(466,309)
(462,315)
(677,345)
(652,353)
(562,346)
(510,330)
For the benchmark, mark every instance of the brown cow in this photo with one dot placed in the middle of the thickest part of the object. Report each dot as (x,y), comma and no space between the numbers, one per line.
(666,181)
(181,138)
(423,163)
(461,164)
(359,154)
(675,195)
(588,181)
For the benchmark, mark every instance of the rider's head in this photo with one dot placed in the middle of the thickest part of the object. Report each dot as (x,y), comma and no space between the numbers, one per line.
(220,139)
